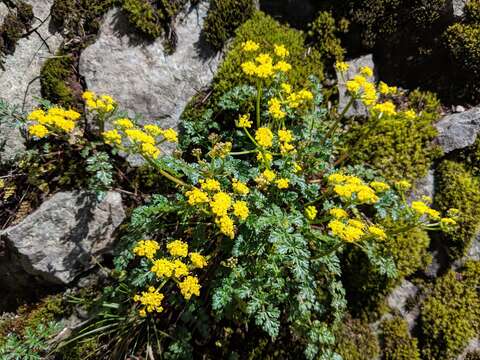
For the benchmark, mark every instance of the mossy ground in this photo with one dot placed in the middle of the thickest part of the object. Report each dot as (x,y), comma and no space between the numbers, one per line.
(397,343)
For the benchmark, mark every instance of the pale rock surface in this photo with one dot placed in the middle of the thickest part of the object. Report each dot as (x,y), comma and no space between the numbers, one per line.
(458,131)
(398,300)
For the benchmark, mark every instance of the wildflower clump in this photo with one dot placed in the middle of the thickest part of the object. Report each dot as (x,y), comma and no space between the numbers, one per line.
(100,103)
(54,121)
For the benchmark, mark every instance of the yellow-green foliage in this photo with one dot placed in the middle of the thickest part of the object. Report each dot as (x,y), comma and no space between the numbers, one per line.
(223,18)
(323,34)
(473,356)
(14,25)
(463,42)
(401,148)
(397,343)
(471,273)
(266,31)
(356,341)
(458,188)
(449,317)
(472,11)
(54,78)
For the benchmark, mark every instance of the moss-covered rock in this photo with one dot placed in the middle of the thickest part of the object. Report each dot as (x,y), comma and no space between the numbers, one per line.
(55,76)
(449,317)
(223,18)
(458,188)
(355,341)
(397,343)
(15,24)
(266,31)
(400,148)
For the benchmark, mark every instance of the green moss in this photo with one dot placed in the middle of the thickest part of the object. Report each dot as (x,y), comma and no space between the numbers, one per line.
(397,343)
(458,188)
(471,273)
(79,350)
(472,11)
(473,356)
(266,31)
(356,341)
(54,79)
(323,35)
(449,317)
(223,18)
(400,148)
(14,25)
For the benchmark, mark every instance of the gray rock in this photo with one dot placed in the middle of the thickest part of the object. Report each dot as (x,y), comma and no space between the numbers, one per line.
(142,77)
(459,108)
(56,243)
(397,300)
(458,131)
(19,82)
(357,108)
(424,186)
(472,347)
(458,7)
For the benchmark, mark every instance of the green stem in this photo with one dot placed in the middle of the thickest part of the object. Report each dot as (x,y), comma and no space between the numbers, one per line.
(166,174)
(244,152)
(259,95)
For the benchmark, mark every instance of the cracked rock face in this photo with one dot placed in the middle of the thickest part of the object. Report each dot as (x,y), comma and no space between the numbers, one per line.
(55,244)
(19,80)
(142,76)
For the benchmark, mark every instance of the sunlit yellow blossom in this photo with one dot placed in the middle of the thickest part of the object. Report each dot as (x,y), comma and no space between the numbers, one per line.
(366,71)
(250,45)
(338,213)
(447,222)
(386,108)
(267,157)
(151,300)
(352,86)
(88,95)
(72,115)
(153,130)
(275,109)
(240,187)
(410,115)
(249,68)
(305,95)
(287,88)
(285,135)
(336,178)
(220,203)
(244,121)
(264,59)
(112,137)
(342,66)
(264,137)
(170,135)
(286,148)
(294,100)
(147,248)
(139,136)
(427,199)
(180,269)
(383,88)
(403,185)
(178,248)
(377,232)
(210,185)
(283,66)
(356,223)
(264,70)
(281,50)
(379,186)
(64,124)
(296,167)
(240,209)
(36,115)
(124,123)
(38,131)
(162,268)
(226,226)
(269,175)
(189,287)
(149,150)
(348,233)
(311,212)
(423,209)
(196,196)
(198,261)
(369,96)
(282,183)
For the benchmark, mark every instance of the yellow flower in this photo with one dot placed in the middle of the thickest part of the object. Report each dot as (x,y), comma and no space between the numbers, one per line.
(249,68)
(269,175)
(447,222)
(151,300)
(366,71)
(383,88)
(250,46)
(139,136)
(336,178)
(180,269)
(240,209)
(112,137)
(281,51)
(264,137)
(89,95)
(38,131)
(282,183)
(267,157)
(264,70)
(348,233)
(210,185)
(353,86)
(387,108)
(423,209)
(410,115)
(177,248)
(240,187)
(377,232)
(356,223)
(285,135)
(189,287)
(287,88)
(244,121)
(311,212)
(226,226)
(196,196)
(63,124)
(403,185)
(338,213)
(369,96)
(147,248)
(379,186)
(153,130)
(275,109)
(283,66)
(150,150)
(264,59)
(305,95)
(198,261)
(36,115)
(221,203)
(285,148)
(163,268)
(72,115)
(342,66)
(124,123)
(142,312)
(170,135)
(296,167)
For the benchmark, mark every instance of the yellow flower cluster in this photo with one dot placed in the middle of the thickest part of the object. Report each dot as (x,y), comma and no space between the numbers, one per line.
(178,248)
(151,301)
(264,137)
(53,120)
(384,89)
(285,137)
(282,183)
(102,103)
(352,188)
(338,213)
(146,248)
(311,212)
(240,187)
(266,177)
(385,108)
(263,65)
(421,209)
(353,230)
(189,287)
(379,186)
(244,121)
(342,66)
(275,109)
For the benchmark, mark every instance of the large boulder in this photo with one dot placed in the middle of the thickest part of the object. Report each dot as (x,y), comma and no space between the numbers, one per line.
(458,131)
(58,242)
(142,76)
(357,108)
(19,79)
